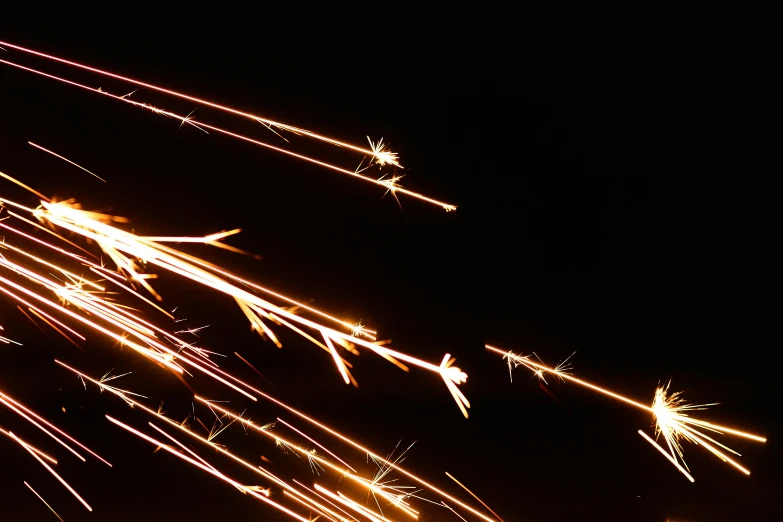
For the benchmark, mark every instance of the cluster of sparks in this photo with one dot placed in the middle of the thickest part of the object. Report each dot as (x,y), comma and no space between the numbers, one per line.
(50,291)
(673,422)
(117,303)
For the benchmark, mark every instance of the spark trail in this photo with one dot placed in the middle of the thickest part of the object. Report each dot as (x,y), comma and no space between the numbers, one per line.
(378,152)
(670,412)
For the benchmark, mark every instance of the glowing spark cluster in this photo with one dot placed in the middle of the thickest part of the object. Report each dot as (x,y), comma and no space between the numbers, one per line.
(670,412)
(55,292)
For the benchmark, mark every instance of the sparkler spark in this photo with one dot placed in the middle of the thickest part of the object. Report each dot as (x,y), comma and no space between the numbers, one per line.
(670,412)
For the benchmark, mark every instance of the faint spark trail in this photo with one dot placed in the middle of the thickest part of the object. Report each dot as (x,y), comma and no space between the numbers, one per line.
(66,160)
(473,495)
(42,500)
(77,298)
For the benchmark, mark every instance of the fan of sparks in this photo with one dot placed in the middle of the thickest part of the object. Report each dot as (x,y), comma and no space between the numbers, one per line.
(43,270)
(672,415)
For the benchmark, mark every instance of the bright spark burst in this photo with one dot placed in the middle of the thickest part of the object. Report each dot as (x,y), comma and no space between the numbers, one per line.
(670,412)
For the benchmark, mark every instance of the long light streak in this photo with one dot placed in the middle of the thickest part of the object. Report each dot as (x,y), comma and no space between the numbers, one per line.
(50,470)
(670,412)
(65,159)
(42,500)
(386,157)
(377,150)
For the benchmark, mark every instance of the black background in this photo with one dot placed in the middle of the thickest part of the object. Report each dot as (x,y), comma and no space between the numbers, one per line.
(614,197)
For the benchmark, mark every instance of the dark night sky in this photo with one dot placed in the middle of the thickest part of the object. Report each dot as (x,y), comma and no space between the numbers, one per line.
(614,201)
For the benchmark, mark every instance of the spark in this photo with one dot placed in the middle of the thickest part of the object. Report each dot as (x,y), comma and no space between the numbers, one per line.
(66,160)
(670,412)
(473,495)
(384,155)
(50,470)
(42,500)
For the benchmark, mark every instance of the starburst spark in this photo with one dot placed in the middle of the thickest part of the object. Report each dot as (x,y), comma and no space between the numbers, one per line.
(670,413)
